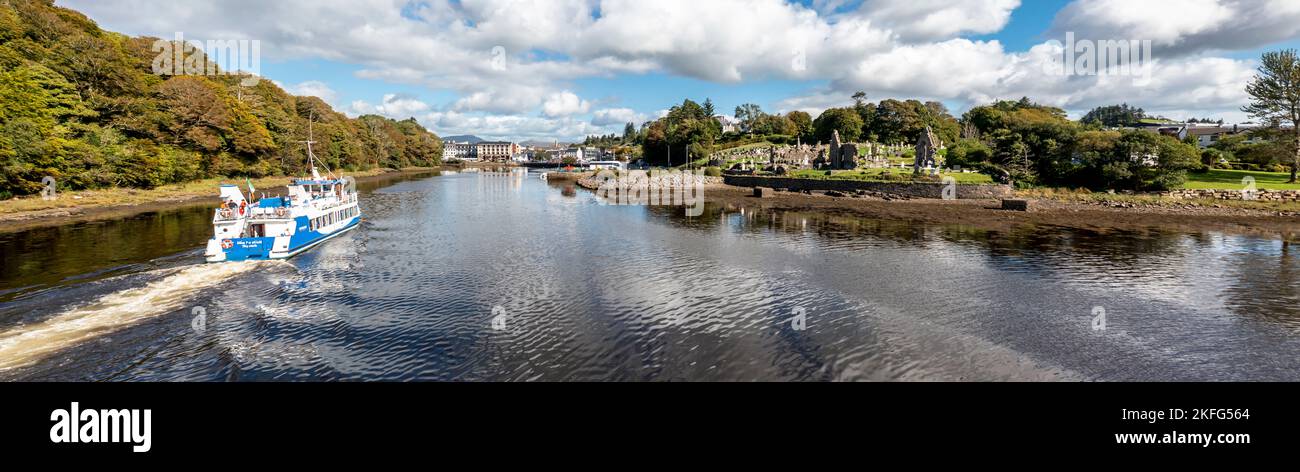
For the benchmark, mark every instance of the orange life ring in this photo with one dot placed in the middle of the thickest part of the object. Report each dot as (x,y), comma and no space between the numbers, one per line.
(227,244)
(279,212)
(225,212)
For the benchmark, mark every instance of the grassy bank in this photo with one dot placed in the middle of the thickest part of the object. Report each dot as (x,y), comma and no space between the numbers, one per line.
(1233,180)
(128,196)
(877,174)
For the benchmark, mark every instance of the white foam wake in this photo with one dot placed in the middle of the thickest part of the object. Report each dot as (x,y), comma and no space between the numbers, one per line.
(24,345)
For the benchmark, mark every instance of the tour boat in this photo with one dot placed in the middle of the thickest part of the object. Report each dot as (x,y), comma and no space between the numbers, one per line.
(315,210)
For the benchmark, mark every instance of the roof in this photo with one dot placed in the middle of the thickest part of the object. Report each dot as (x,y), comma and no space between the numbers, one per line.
(317,182)
(271,202)
(1212,130)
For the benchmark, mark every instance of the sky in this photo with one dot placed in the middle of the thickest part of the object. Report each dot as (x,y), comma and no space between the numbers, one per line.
(564,69)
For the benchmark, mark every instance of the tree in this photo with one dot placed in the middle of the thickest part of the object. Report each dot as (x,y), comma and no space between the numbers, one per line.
(1114,116)
(708,107)
(1275,97)
(803,124)
(748,114)
(629,133)
(844,120)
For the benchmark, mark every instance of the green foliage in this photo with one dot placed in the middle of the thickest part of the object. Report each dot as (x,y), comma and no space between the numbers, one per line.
(845,120)
(803,124)
(82,105)
(687,133)
(1031,144)
(1115,116)
(895,121)
(968,153)
(1134,160)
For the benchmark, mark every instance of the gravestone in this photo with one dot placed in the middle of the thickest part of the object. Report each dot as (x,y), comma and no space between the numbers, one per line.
(927,151)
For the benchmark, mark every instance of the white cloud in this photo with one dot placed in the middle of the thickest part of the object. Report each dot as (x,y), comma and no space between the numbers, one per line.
(617,117)
(924,20)
(396,106)
(314,88)
(1179,27)
(563,104)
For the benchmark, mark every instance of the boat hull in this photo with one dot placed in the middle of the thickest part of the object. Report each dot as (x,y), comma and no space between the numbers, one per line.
(283,247)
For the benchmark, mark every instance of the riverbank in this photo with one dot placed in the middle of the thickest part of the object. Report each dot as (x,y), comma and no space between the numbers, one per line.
(92,205)
(1095,213)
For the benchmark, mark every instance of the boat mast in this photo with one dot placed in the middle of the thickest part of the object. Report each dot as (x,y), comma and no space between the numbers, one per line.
(311,156)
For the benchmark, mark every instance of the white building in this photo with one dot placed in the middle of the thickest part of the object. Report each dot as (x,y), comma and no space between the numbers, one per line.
(575,153)
(460,151)
(1208,135)
(728,125)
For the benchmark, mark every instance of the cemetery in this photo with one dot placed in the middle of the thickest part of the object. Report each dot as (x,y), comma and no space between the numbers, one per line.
(913,171)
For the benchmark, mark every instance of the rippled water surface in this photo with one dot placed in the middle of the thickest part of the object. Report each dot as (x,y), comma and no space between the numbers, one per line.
(476,276)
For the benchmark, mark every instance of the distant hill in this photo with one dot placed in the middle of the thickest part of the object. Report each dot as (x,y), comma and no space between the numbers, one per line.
(465,138)
(544,144)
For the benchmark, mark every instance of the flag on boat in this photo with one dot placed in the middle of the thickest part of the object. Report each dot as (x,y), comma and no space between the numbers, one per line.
(251,190)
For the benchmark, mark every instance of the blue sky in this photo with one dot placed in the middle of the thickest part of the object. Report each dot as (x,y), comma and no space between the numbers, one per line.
(577,67)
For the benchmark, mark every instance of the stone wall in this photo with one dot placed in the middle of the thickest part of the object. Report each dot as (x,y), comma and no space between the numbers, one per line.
(1262,195)
(908,189)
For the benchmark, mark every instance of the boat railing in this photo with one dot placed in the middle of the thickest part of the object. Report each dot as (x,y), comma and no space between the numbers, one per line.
(228,214)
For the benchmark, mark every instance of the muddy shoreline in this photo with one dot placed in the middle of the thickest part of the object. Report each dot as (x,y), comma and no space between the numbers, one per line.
(21,221)
(987,214)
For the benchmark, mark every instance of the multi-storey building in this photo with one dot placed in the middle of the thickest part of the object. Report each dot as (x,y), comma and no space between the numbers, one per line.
(496,150)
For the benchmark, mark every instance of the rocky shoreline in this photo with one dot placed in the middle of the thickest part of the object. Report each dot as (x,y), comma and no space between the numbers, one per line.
(652,181)
(988,213)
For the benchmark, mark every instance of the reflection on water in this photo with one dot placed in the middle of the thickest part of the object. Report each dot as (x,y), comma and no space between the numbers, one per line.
(499,276)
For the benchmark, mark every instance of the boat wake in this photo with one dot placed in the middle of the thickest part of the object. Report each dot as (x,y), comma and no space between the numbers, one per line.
(24,345)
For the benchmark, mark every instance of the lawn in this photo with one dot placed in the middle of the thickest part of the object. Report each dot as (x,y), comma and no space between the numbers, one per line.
(1232,180)
(874,174)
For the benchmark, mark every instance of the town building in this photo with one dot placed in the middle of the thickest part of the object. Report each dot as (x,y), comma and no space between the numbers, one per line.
(496,150)
(1208,135)
(576,153)
(459,151)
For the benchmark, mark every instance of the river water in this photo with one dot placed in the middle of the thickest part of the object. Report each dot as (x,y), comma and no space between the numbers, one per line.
(486,276)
